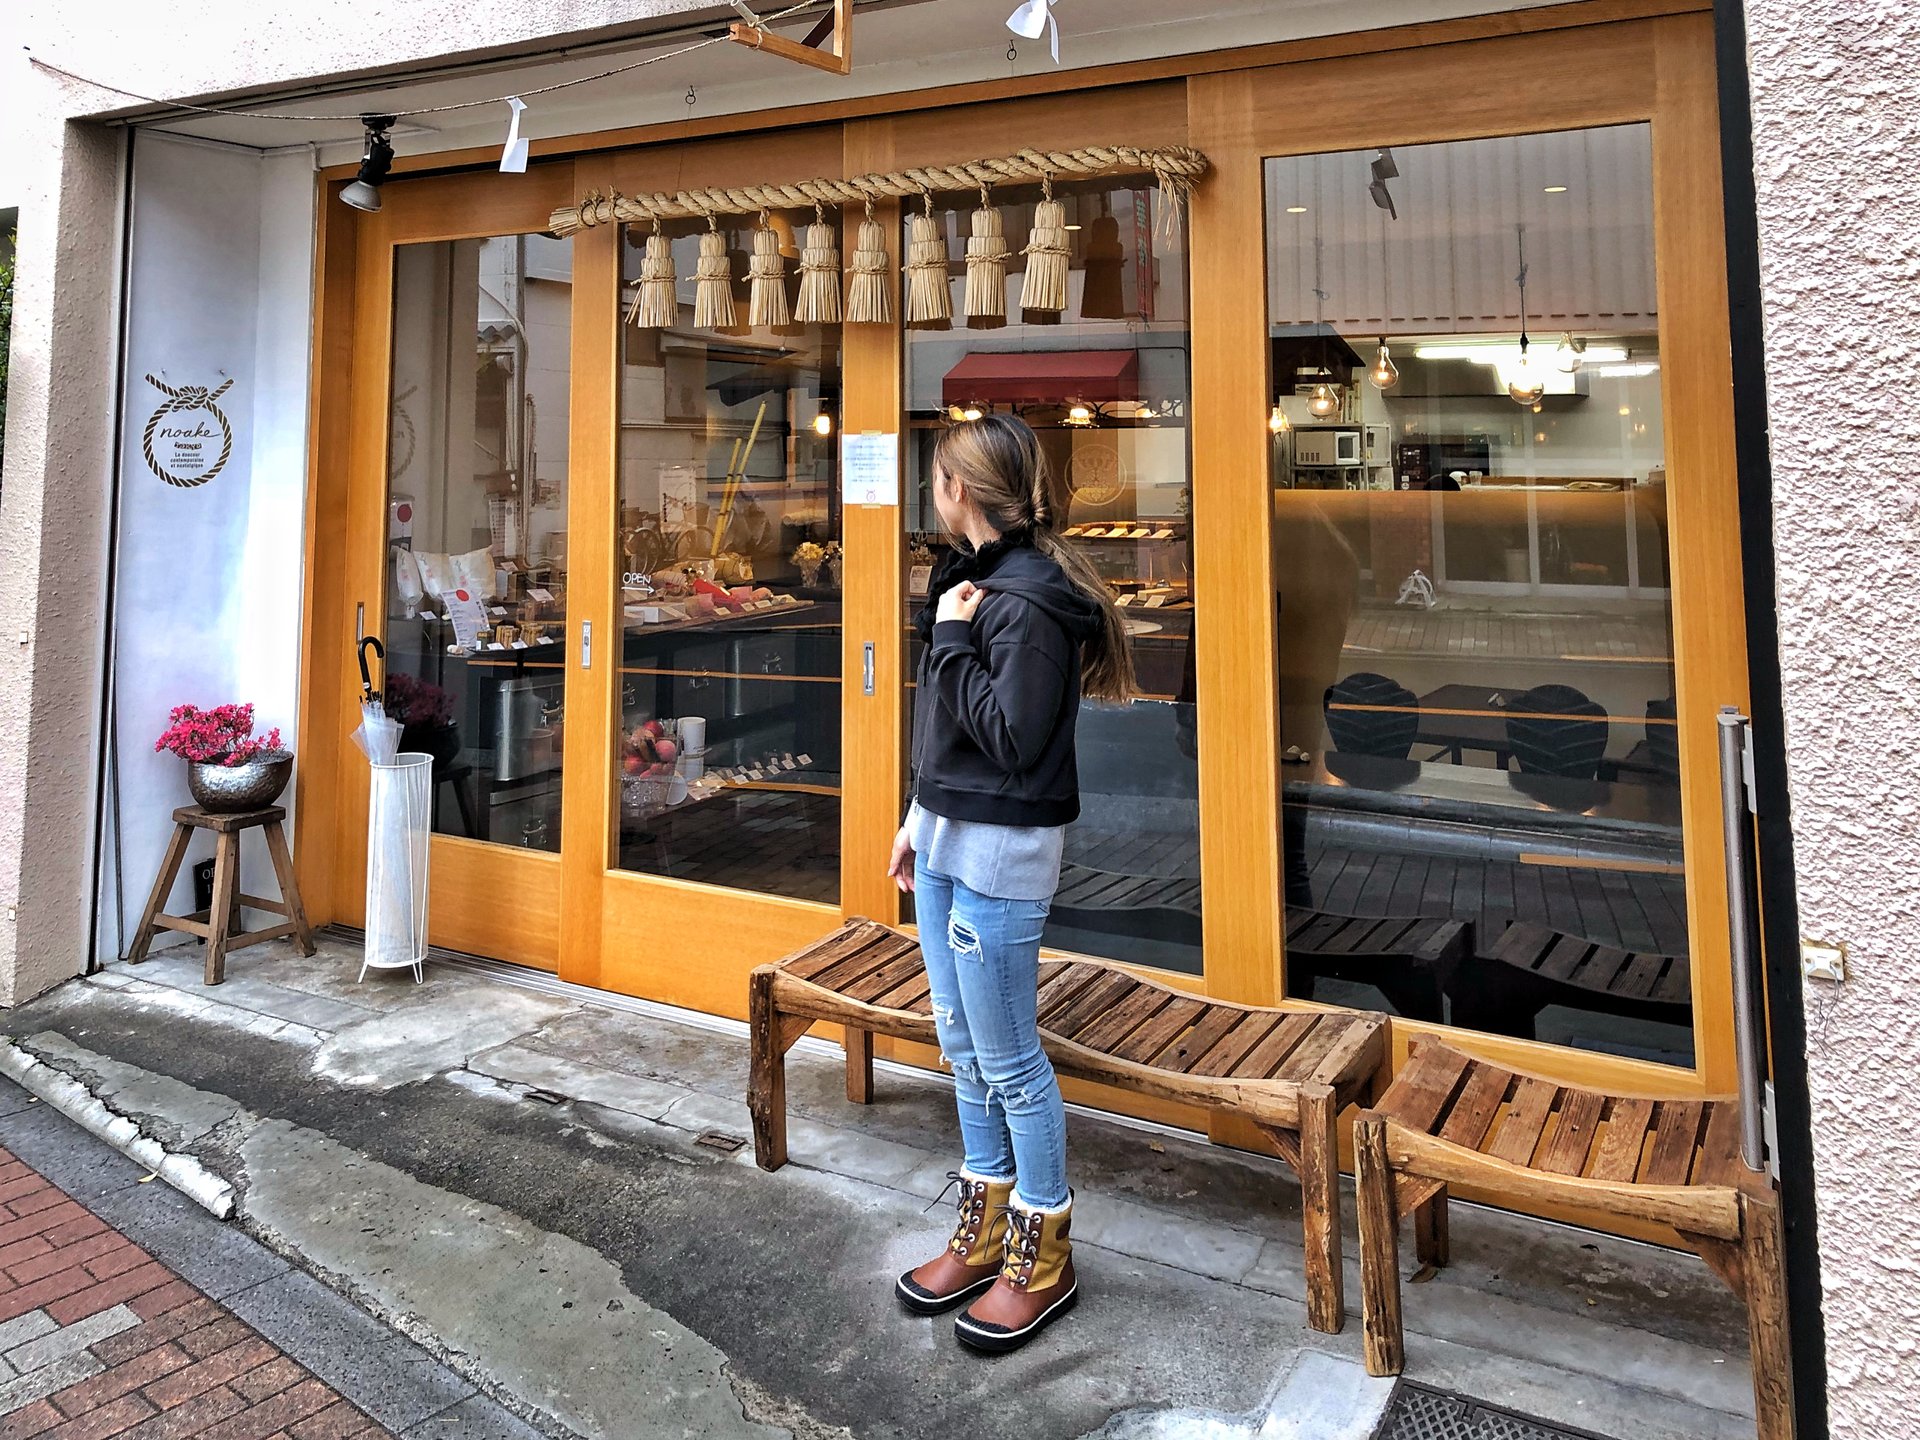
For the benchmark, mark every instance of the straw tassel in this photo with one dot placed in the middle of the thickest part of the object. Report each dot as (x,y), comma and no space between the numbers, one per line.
(1045,289)
(767,296)
(986,297)
(713,283)
(819,273)
(869,296)
(929,300)
(654,303)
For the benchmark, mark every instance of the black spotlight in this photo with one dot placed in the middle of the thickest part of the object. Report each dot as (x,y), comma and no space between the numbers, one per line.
(376,159)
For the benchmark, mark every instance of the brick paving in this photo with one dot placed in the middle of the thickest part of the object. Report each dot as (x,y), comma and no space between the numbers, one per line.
(97,1338)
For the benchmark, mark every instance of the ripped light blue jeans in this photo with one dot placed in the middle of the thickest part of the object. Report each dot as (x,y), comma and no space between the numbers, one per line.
(983,969)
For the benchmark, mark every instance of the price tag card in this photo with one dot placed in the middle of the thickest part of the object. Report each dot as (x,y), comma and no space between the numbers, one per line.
(468,615)
(495,645)
(870,468)
(518,645)
(543,596)
(498,610)
(918,579)
(1154,602)
(1125,600)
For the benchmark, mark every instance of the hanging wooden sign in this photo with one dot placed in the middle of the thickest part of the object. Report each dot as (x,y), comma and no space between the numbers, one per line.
(187,441)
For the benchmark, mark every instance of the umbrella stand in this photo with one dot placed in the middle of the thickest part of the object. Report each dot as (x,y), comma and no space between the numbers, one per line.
(399,822)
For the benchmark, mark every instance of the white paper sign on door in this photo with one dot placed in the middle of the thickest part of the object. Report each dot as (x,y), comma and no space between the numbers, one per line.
(870,468)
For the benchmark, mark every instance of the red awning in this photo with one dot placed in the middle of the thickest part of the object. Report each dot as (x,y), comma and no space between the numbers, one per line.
(1044,377)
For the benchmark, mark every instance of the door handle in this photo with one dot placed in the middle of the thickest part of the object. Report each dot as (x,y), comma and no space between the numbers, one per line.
(866,669)
(586,644)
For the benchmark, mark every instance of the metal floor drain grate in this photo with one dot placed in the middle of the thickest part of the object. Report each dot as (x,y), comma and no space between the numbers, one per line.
(1417,1412)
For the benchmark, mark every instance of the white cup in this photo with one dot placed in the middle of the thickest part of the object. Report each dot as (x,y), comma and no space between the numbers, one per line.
(691,767)
(693,732)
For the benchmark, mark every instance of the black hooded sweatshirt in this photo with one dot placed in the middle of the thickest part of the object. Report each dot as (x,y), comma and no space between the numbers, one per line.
(998,697)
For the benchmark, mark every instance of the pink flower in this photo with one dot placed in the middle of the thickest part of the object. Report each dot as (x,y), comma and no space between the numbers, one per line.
(223,735)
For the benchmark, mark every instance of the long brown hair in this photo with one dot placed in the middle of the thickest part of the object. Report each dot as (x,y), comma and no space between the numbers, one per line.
(1000,467)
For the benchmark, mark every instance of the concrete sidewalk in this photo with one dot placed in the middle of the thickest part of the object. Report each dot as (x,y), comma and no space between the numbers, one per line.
(517,1180)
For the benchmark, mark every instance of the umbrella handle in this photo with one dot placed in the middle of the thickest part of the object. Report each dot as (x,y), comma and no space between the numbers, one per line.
(367,692)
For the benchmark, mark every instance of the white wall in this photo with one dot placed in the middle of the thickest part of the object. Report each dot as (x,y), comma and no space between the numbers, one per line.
(207,582)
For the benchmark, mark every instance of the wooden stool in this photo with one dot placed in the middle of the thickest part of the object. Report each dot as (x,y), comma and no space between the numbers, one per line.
(220,925)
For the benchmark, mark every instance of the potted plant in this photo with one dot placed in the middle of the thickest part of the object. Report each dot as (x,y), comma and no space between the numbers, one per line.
(229,768)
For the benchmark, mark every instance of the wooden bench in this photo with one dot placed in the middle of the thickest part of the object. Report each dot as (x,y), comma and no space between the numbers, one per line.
(1451,1119)
(1528,967)
(1289,1072)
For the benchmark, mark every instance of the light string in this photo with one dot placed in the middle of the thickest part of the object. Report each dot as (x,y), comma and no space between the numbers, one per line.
(448,108)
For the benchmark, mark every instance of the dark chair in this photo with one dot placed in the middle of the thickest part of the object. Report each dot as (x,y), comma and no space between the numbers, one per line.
(1544,744)
(1369,714)
(1663,737)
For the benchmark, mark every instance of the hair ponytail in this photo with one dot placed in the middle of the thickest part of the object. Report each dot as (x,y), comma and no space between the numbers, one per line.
(998,461)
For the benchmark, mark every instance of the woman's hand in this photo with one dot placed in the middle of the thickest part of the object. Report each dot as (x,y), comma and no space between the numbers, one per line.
(900,863)
(959,603)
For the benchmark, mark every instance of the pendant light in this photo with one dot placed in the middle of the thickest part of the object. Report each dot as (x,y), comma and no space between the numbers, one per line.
(1384,374)
(1570,354)
(1525,381)
(1324,401)
(1277,421)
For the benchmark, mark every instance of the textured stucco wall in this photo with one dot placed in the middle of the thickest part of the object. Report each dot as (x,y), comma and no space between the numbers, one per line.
(1836,117)
(52,548)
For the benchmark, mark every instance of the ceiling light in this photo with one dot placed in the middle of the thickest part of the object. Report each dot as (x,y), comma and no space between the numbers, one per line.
(1525,383)
(1631,371)
(1073,227)
(1626,409)
(1556,189)
(1570,354)
(1277,421)
(1079,414)
(1296,209)
(823,424)
(1504,352)
(376,159)
(1324,401)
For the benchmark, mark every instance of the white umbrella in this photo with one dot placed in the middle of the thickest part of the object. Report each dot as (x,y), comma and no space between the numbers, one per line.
(379,734)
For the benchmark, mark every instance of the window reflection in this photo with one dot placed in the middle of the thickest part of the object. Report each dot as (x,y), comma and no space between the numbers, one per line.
(1476,672)
(1105,386)
(728,757)
(476,528)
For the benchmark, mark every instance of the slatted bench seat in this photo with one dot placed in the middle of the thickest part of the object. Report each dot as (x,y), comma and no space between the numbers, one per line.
(1450,1119)
(1289,1072)
(1411,960)
(1527,967)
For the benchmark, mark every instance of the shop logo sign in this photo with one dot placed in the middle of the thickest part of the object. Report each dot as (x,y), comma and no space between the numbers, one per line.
(187,440)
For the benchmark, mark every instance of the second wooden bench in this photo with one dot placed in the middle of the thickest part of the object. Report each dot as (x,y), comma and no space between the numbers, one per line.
(1289,1072)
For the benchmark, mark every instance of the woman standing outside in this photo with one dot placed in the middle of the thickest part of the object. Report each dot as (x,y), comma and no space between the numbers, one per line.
(1017,627)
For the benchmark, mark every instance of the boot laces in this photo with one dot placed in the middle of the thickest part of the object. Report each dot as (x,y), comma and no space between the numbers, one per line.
(973,1206)
(1023,1244)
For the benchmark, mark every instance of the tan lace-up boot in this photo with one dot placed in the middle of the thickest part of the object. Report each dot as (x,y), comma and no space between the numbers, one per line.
(971,1258)
(1035,1286)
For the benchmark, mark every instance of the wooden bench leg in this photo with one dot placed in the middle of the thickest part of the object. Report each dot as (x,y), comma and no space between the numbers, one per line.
(226,901)
(1767,1316)
(1320,1209)
(1379,1250)
(1431,1245)
(859,1045)
(767,1077)
(162,887)
(289,887)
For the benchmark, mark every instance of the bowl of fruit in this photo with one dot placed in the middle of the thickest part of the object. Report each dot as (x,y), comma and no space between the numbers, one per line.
(647,756)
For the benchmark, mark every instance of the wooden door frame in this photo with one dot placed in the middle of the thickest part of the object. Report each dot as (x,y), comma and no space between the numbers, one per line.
(1659,71)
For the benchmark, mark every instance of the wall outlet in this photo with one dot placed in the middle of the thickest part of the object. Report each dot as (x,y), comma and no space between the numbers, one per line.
(1820,960)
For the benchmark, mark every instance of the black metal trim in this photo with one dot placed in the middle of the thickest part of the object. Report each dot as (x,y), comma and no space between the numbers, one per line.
(1779,906)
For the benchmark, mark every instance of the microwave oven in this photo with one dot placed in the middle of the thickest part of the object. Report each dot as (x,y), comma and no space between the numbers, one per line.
(1326,448)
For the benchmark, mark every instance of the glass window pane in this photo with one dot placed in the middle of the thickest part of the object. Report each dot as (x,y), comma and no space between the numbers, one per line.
(477,527)
(1105,385)
(1476,658)
(729,560)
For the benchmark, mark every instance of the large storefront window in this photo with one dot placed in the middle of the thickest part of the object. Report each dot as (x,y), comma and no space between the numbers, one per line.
(730,567)
(1105,385)
(476,528)
(1470,526)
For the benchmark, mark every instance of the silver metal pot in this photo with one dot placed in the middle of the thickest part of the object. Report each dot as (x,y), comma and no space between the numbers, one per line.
(230,789)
